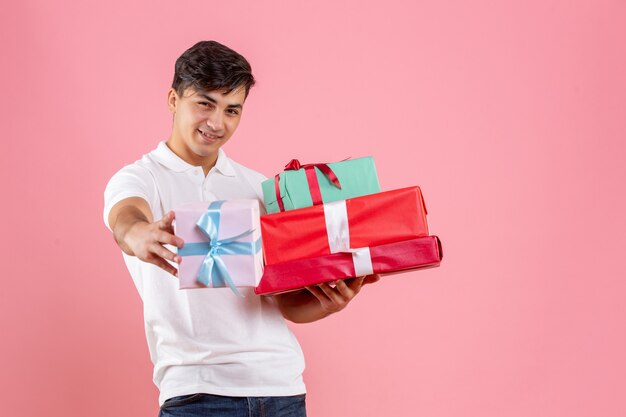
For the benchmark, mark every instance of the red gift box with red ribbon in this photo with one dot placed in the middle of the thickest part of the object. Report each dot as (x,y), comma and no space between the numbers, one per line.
(419,253)
(344,226)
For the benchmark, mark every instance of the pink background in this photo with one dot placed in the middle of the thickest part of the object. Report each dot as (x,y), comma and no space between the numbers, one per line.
(509,115)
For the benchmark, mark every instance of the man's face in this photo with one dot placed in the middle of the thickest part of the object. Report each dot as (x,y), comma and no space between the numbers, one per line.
(204,121)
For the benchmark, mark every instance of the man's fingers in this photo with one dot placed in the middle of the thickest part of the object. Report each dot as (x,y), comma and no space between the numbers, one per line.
(357,283)
(166,221)
(330,292)
(349,289)
(370,279)
(164,237)
(161,263)
(161,252)
(319,294)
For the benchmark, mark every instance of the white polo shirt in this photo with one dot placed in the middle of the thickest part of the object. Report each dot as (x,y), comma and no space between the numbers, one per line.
(205,340)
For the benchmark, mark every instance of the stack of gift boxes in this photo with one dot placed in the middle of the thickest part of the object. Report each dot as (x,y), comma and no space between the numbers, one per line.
(325,222)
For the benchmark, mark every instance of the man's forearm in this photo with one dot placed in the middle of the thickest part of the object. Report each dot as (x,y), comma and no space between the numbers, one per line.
(319,301)
(300,306)
(126,219)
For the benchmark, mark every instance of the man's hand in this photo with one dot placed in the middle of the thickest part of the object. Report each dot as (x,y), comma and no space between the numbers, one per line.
(137,235)
(146,241)
(334,299)
(318,301)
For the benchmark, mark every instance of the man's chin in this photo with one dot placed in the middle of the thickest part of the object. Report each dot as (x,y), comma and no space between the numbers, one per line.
(205,150)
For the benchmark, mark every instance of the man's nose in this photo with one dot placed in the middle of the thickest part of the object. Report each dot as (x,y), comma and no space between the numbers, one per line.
(215,121)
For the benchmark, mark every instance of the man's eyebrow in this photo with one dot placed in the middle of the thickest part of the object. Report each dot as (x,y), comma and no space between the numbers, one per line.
(212,100)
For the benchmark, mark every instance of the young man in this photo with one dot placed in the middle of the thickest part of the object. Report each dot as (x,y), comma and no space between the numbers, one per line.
(214,353)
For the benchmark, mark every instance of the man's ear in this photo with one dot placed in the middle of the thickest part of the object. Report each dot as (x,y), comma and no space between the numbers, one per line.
(172,100)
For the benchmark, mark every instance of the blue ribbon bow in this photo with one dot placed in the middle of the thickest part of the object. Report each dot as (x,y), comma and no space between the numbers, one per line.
(213,269)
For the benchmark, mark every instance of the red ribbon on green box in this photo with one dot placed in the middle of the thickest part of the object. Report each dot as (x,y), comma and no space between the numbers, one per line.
(311,177)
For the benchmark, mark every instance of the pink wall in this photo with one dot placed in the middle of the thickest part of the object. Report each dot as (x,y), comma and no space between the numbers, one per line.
(510,115)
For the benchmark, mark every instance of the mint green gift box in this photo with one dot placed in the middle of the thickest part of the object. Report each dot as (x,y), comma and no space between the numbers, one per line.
(356,176)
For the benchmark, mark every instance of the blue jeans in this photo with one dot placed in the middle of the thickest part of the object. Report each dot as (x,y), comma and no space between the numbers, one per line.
(196,405)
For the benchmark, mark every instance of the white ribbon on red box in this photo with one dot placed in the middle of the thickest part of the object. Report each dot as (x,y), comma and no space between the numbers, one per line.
(338,232)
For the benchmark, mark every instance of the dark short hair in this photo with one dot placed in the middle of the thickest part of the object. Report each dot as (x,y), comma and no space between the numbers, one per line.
(209,66)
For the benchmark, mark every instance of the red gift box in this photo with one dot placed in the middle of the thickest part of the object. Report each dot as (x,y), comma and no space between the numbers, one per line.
(321,230)
(423,252)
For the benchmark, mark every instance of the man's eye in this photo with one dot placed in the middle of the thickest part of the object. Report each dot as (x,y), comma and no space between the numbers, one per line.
(233,112)
(204,103)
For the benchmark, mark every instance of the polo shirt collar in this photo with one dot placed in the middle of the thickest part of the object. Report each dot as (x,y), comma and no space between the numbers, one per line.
(174,162)
(223,164)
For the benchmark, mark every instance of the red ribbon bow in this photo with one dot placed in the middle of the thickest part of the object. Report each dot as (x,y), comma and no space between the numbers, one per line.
(293,165)
(311,176)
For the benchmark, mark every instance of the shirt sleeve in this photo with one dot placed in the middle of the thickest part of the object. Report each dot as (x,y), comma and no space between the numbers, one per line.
(131,181)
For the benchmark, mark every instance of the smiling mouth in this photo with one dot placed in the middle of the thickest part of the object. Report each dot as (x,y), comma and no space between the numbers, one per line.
(209,136)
